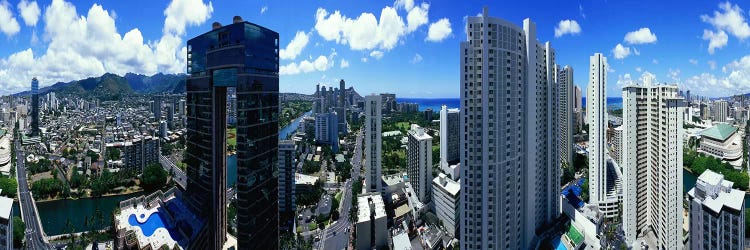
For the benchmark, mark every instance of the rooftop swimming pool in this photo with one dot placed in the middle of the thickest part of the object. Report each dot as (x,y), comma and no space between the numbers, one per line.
(153,222)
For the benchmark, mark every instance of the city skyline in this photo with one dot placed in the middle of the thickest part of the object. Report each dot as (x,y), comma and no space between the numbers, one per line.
(315,40)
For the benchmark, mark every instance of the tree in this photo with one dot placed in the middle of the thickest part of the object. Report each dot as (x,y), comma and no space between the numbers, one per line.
(19,229)
(113,154)
(94,156)
(8,186)
(154,177)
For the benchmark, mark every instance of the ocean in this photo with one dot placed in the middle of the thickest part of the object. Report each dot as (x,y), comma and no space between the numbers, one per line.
(436,103)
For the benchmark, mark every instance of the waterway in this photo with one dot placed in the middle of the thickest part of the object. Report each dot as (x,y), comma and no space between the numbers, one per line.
(55,214)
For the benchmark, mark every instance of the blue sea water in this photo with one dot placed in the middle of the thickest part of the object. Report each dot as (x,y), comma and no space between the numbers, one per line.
(434,103)
(612,102)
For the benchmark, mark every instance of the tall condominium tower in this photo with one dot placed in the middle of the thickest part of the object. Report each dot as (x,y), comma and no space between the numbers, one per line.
(565,114)
(419,162)
(596,113)
(35,107)
(449,135)
(508,135)
(245,56)
(717,213)
(720,111)
(287,167)
(577,98)
(652,163)
(373,142)
(156,108)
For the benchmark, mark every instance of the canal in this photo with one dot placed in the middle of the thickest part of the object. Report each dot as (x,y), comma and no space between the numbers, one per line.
(55,214)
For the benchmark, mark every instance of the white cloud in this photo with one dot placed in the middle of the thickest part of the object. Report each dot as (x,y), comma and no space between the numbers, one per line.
(321,63)
(648,77)
(89,44)
(567,27)
(363,59)
(405,4)
(344,63)
(417,59)
(376,54)
(417,17)
(674,74)
(295,47)
(712,64)
(716,40)
(734,80)
(363,33)
(641,36)
(620,51)
(439,30)
(580,11)
(693,61)
(29,12)
(731,19)
(638,69)
(654,61)
(8,23)
(624,80)
(263,10)
(636,52)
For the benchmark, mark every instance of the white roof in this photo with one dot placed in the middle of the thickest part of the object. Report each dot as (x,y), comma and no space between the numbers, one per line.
(401,242)
(6,205)
(450,186)
(718,192)
(305,179)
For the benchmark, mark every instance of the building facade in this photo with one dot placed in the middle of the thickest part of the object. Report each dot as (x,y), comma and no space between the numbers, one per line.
(245,56)
(6,223)
(419,162)
(508,135)
(721,141)
(373,143)
(326,130)
(449,136)
(287,170)
(720,110)
(717,213)
(652,163)
(616,153)
(446,199)
(35,107)
(371,227)
(565,114)
(596,112)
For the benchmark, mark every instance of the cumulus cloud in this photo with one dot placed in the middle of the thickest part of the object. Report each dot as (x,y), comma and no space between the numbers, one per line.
(567,27)
(641,36)
(321,63)
(89,44)
(639,69)
(417,59)
(716,40)
(376,54)
(8,24)
(674,74)
(405,4)
(417,17)
(729,18)
(712,64)
(734,80)
(624,80)
(439,30)
(620,51)
(363,33)
(693,61)
(344,63)
(29,12)
(295,47)
(263,10)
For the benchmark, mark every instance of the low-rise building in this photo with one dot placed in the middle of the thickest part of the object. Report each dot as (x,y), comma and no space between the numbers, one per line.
(717,213)
(446,199)
(722,141)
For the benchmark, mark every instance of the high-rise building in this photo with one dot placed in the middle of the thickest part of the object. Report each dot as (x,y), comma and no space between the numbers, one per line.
(446,199)
(287,167)
(687,97)
(449,136)
(35,107)
(428,114)
(720,110)
(245,56)
(510,180)
(565,114)
(341,111)
(170,116)
(596,112)
(156,108)
(371,226)
(419,162)
(717,213)
(326,130)
(342,93)
(578,98)
(373,143)
(651,155)
(617,145)
(6,223)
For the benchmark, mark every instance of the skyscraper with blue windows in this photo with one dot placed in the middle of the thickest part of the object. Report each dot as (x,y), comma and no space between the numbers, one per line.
(35,107)
(245,56)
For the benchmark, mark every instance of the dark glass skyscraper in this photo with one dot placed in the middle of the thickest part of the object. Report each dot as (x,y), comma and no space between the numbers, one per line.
(242,55)
(34,107)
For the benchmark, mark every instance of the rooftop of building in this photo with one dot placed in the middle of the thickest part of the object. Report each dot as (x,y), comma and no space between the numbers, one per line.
(305,179)
(450,186)
(418,133)
(401,242)
(721,131)
(717,193)
(367,203)
(6,205)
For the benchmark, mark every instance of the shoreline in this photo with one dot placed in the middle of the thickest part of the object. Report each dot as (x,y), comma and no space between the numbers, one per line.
(90,197)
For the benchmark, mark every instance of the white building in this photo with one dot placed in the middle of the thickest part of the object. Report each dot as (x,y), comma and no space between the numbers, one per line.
(596,112)
(419,162)
(565,114)
(717,214)
(617,145)
(371,222)
(510,180)
(6,223)
(652,164)
(722,141)
(446,201)
(720,111)
(287,169)
(449,137)
(373,143)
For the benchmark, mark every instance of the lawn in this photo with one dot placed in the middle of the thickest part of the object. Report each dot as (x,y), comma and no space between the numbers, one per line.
(404,126)
(232,136)
(312,226)
(574,235)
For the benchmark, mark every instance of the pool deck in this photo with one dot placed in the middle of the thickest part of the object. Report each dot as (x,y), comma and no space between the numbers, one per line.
(161,235)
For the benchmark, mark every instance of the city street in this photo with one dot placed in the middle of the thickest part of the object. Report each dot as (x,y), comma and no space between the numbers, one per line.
(34,234)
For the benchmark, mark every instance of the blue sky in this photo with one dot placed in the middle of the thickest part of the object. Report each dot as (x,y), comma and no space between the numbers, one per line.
(405,47)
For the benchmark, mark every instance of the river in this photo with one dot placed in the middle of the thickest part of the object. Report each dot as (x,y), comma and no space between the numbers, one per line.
(688,182)
(55,214)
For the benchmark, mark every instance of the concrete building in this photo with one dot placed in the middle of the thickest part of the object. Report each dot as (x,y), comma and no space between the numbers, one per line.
(35,131)
(419,162)
(510,180)
(156,108)
(449,136)
(137,153)
(616,153)
(428,114)
(446,200)
(217,61)
(371,227)
(652,165)
(565,114)
(596,113)
(720,110)
(717,213)
(326,130)
(722,141)
(6,223)
(578,99)
(373,143)
(287,169)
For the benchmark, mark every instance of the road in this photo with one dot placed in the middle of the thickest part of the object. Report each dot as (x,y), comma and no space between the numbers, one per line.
(336,235)
(34,233)
(179,175)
